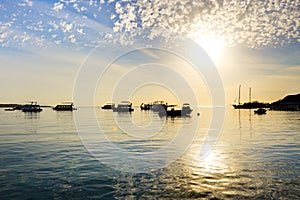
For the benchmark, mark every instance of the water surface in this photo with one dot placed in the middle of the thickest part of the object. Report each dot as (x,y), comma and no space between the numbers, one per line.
(256,157)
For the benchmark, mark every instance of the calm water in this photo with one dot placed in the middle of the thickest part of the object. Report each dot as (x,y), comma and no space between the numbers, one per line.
(256,157)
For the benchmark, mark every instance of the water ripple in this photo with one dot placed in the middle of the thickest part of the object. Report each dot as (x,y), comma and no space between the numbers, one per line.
(42,157)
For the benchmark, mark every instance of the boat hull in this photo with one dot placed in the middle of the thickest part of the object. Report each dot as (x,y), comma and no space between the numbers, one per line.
(260,111)
(108,106)
(9,109)
(123,109)
(33,107)
(146,106)
(64,107)
(32,110)
(251,105)
(124,106)
(185,112)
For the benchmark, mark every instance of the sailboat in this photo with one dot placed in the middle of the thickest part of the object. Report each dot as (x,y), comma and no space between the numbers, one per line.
(250,104)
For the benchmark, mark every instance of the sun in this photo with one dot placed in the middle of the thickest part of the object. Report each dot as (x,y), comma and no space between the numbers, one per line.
(212,45)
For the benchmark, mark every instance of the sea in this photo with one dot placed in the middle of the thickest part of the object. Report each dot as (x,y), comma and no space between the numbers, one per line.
(92,153)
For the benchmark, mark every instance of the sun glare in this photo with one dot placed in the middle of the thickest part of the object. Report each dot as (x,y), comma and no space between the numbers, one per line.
(213,45)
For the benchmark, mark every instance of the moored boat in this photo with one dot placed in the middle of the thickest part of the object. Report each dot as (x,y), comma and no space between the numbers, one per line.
(32,107)
(260,111)
(124,106)
(184,112)
(108,106)
(18,107)
(250,104)
(65,106)
(9,109)
(159,106)
(147,106)
(186,109)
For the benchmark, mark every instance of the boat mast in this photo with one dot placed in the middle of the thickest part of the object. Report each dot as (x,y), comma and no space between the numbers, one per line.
(239,100)
(249,94)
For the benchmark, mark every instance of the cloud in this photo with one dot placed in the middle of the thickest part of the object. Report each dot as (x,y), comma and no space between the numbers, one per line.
(25,3)
(65,27)
(58,6)
(46,24)
(254,23)
(294,70)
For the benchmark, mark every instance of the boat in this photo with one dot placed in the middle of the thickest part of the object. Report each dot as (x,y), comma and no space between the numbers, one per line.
(250,104)
(260,111)
(147,106)
(12,107)
(18,107)
(108,106)
(124,106)
(65,106)
(184,112)
(158,106)
(9,109)
(32,107)
(186,109)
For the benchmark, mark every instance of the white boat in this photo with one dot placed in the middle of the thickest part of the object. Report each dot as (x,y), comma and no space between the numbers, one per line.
(124,106)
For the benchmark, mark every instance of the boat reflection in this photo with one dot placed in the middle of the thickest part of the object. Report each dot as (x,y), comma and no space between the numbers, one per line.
(64,116)
(244,127)
(31,115)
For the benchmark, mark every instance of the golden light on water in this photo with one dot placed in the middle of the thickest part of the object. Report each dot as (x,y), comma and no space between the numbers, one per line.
(214,162)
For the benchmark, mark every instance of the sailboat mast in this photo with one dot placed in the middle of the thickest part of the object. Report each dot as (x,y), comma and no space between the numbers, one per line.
(249,94)
(239,100)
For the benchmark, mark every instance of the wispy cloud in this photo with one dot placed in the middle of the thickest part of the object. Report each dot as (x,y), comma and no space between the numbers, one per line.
(295,69)
(62,23)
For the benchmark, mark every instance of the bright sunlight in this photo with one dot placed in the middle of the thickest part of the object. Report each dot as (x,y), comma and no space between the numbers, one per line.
(213,45)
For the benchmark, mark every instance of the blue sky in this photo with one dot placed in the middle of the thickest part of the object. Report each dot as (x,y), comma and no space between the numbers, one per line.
(44,43)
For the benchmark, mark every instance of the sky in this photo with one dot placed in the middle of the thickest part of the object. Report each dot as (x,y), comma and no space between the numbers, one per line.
(48,47)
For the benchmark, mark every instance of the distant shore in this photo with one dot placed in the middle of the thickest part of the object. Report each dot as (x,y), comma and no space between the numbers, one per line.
(8,105)
(12,105)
